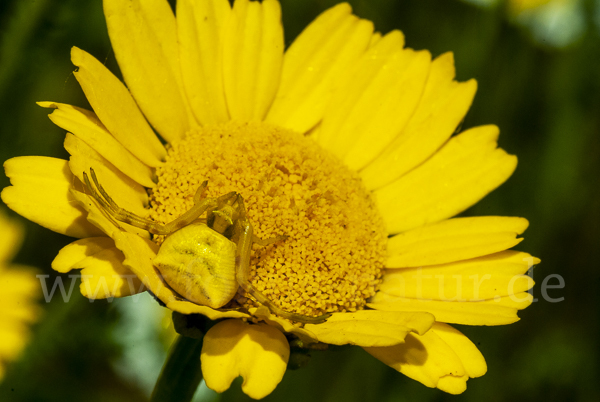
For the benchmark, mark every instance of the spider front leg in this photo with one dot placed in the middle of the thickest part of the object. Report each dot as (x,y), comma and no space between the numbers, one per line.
(243,231)
(122,215)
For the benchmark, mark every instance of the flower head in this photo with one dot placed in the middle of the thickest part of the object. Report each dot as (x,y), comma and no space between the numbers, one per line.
(18,294)
(338,153)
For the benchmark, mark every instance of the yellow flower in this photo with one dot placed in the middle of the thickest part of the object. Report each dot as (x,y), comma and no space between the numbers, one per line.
(343,143)
(19,290)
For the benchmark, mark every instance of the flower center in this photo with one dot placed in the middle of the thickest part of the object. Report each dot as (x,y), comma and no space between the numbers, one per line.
(333,256)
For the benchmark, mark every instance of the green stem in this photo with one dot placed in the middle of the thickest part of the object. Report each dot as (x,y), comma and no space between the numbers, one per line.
(181,373)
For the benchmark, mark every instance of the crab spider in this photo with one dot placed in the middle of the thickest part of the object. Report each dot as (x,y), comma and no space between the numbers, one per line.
(204,263)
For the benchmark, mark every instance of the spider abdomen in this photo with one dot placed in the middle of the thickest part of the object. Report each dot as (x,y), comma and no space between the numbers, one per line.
(199,264)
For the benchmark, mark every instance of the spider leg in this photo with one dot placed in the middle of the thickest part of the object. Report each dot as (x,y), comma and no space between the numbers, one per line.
(110,206)
(122,215)
(200,192)
(270,240)
(189,216)
(243,230)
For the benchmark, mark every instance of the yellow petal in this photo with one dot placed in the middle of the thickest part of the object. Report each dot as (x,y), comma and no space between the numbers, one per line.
(19,309)
(469,355)
(103,275)
(186,307)
(453,384)
(79,250)
(257,352)
(139,254)
(518,301)
(12,236)
(19,292)
(375,103)
(41,193)
(117,110)
(313,65)
(442,107)
(467,313)
(12,341)
(442,358)
(86,126)
(19,286)
(161,19)
(252,58)
(282,324)
(126,193)
(454,240)
(370,327)
(424,358)
(143,35)
(201,29)
(477,279)
(464,171)
(377,37)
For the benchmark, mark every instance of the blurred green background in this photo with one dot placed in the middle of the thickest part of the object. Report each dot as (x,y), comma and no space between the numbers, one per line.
(539,80)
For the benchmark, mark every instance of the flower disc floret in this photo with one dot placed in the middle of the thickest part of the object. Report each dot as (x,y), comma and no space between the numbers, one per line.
(333,256)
